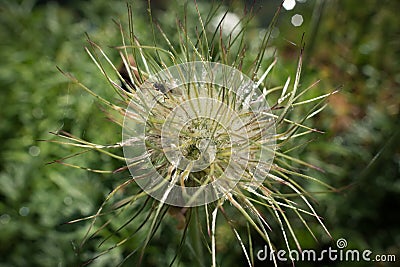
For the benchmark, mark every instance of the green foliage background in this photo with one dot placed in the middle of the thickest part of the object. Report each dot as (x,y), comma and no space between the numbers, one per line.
(347,43)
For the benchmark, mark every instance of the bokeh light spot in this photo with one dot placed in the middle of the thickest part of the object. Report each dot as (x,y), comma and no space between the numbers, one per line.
(5,218)
(297,20)
(24,211)
(289,4)
(34,151)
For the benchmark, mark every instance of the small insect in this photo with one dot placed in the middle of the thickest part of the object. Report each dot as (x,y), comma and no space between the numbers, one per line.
(160,87)
(128,85)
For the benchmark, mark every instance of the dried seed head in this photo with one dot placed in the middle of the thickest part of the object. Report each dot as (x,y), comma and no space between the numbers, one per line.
(194,147)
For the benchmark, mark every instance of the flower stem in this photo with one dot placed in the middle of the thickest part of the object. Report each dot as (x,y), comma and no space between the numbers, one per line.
(195,238)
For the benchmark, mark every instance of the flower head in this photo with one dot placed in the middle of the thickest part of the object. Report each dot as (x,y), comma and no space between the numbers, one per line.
(199,137)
